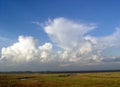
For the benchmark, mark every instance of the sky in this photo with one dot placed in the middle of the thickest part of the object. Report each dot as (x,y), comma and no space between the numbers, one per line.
(57,35)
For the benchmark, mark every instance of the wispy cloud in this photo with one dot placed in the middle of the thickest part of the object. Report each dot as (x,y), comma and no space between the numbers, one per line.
(5,42)
(3,39)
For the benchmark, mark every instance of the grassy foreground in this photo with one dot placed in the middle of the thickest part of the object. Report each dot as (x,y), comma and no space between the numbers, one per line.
(105,79)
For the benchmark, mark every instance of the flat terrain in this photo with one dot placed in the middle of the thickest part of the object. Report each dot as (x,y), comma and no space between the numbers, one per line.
(101,79)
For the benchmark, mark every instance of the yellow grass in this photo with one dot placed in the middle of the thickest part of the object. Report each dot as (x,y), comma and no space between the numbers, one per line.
(105,79)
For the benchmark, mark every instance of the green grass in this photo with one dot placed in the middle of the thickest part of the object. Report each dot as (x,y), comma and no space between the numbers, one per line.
(105,79)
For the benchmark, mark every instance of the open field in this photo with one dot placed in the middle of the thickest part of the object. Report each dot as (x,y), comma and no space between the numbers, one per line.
(101,79)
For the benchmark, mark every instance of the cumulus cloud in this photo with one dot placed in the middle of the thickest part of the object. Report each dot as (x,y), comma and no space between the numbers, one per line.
(74,46)
(26,50)
(73,37)
(65,33)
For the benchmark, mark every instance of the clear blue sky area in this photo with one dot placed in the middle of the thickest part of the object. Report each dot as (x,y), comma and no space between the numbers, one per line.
(16,16)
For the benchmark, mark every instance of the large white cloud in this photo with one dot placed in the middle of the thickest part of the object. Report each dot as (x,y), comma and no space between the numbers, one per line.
(78,45)
(65,33)
(26,50)
(75,46)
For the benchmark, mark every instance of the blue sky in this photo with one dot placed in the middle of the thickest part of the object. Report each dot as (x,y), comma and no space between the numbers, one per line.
(16,15)
(20,17)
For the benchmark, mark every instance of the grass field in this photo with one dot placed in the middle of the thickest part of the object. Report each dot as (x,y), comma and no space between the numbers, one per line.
(104,79)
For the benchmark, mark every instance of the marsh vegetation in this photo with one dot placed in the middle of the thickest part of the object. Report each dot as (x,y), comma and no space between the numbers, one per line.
(103,79)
